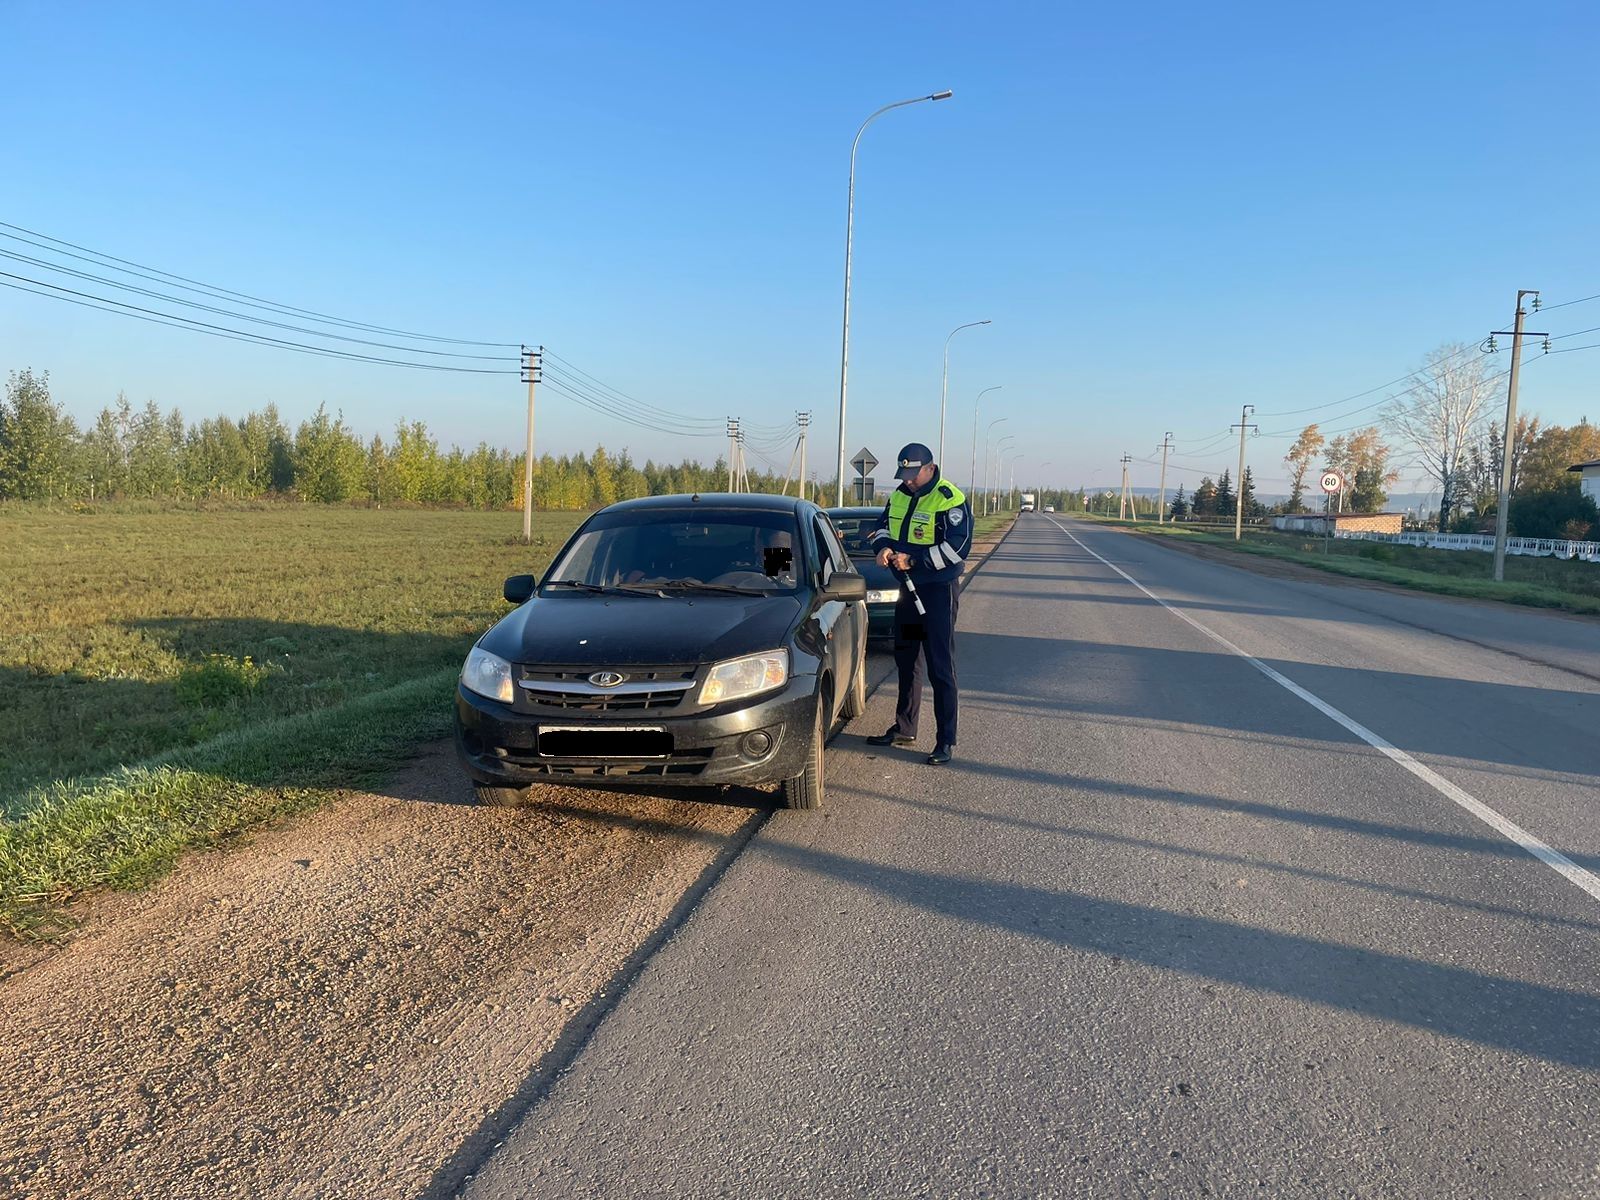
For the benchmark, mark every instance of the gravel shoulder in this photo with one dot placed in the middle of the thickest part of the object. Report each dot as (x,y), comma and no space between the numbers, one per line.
(333,1007)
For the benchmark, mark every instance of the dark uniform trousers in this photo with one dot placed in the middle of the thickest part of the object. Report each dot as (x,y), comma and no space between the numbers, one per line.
(931,638)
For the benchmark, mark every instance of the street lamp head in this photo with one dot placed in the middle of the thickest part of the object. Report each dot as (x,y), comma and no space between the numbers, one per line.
(944,95)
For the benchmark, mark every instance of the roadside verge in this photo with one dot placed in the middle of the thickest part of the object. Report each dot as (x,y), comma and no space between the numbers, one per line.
(1267,559)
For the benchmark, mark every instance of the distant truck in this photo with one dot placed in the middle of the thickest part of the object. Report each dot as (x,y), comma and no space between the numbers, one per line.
(1027,501)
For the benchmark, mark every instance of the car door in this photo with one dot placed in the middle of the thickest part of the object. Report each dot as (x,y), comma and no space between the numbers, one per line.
(849,635)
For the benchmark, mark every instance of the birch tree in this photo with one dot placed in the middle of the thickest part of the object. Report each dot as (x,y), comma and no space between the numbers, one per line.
(1442,414)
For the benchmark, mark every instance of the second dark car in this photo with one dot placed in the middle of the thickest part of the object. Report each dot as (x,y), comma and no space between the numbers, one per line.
(883,587)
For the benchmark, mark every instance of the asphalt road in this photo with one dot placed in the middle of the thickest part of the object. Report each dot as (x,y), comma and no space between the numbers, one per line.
(1188,916)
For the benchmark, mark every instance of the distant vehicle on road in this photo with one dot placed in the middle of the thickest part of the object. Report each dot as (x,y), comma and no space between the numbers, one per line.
(700,640)
(883,587)
(1050,508)
(1028,501)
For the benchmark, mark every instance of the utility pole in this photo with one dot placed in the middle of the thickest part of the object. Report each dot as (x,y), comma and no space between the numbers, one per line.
(1238,482)
(1123,499)
(1503,509)
(733,448)
(805,424)
(532,367)
(1161,510)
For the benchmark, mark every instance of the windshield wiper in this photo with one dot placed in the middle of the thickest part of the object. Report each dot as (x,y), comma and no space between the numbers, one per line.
(724,589)
(576,585)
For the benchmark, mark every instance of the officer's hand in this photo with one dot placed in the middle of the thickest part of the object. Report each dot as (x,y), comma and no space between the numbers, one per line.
(884,556)
(903,561)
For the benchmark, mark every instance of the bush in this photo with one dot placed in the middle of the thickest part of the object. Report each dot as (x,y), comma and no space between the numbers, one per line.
(1550,514)
(221,680)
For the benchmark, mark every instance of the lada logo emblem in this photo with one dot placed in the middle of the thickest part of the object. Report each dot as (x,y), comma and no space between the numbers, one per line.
(606,679)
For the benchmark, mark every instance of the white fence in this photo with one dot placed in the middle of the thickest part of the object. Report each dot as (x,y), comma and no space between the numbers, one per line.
(1538,547)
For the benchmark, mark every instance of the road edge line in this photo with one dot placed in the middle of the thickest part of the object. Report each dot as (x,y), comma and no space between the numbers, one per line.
(1508,829)
(478,1148)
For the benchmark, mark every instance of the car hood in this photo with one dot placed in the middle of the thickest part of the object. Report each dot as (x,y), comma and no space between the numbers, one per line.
(607,631)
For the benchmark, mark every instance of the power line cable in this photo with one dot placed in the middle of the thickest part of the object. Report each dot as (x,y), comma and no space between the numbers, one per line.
(128,287)
(627,419)
(155,317)
(1566,303)
(123,264)
(616,395)
(696,425)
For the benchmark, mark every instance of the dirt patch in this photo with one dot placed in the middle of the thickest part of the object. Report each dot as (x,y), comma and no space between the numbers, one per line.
(332,1009)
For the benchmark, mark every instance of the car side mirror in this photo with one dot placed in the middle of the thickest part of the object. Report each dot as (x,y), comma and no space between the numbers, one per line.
(519,588)
(845,585)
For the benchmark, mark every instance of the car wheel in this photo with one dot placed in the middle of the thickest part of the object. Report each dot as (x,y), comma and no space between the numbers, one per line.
(805,789)
(855,700)
(500,797)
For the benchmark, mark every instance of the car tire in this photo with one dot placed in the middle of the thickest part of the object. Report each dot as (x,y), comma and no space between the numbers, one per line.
(855,700)
(500,797)
(805,790)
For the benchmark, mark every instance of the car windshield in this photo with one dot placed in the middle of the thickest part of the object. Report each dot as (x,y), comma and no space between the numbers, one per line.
(853,530)
(675,551)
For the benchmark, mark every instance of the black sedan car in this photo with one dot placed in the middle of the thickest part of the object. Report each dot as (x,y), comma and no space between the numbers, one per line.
(677,639)
(883,588)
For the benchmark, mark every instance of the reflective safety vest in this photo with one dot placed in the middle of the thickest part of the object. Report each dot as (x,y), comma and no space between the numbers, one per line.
(935,528)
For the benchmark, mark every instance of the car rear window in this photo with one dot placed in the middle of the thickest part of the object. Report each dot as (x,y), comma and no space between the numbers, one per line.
(853,533)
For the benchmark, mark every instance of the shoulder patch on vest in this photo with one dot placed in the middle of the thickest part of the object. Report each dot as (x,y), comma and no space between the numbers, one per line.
(945,489)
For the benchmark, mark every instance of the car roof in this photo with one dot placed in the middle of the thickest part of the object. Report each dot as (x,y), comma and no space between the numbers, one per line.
(720,501)
(854,510)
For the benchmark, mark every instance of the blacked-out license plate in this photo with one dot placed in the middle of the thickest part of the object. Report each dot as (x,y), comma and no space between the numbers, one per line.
(588,741)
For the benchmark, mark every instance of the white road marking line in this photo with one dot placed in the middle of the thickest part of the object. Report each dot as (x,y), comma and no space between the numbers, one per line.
(1513,832)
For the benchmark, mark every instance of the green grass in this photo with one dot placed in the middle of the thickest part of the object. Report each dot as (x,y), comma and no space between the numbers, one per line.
(994,523)
(1536,582)
(170,677)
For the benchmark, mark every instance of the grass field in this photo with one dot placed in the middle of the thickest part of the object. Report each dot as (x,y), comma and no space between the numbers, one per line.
(1537,582)
(167,677)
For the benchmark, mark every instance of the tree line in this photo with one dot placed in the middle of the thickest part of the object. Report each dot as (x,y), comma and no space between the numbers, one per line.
(1442,426)
(145,453)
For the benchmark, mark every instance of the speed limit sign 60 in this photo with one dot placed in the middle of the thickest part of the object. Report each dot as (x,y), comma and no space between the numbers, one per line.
(1332,482)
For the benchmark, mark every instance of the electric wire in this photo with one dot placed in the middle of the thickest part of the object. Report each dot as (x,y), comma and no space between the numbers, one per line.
(123,265)
(626,419)
(618,396)
(226,312)
(193,326)
(1566,303)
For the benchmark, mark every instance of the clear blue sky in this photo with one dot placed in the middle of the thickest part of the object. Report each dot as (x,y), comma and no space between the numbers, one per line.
(1166,210)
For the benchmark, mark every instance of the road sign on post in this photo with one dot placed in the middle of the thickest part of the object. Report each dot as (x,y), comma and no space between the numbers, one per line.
(863,462)
(1332,484)
(866,490)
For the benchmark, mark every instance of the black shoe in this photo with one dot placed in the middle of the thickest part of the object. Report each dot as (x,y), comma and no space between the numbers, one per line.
(891,738)
(940,755)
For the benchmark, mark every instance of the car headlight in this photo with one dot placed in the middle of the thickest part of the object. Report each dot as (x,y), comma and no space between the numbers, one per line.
(747,676)
(487,675)
(885,596)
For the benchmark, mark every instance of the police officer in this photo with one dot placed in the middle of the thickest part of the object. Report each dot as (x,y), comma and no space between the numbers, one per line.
(925,532)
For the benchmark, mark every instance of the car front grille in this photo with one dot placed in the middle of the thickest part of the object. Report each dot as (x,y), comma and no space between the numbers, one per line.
(643,689)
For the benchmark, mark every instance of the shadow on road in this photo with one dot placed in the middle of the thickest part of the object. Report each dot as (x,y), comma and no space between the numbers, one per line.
(1553,1024)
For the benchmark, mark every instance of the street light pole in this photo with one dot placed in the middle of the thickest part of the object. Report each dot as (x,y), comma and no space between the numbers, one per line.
(1011,492)
(944,384)
(999,470)
(986,433)
(849,242)
(972,475)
